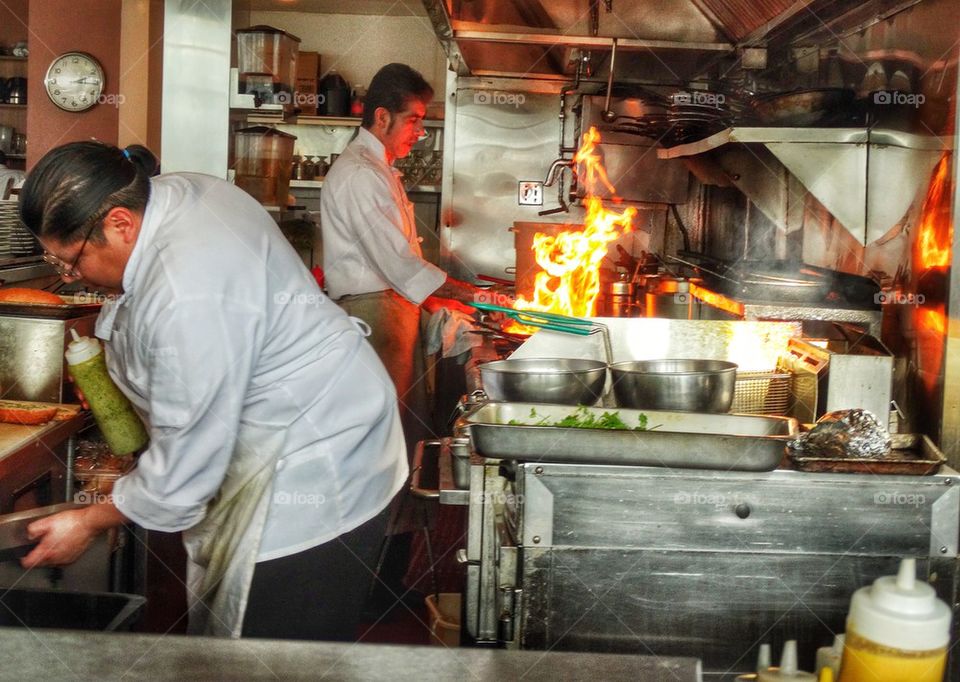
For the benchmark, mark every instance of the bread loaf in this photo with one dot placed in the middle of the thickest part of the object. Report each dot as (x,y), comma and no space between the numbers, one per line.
(27,413)
(25,295)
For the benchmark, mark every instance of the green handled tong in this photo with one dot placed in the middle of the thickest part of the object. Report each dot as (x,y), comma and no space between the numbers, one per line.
(552,321)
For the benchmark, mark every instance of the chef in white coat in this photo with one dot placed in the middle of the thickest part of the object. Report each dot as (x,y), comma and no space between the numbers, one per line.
(275,443)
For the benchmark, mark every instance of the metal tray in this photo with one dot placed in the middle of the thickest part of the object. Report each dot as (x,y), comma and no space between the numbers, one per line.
(73,306)
(913,454)
(672,439)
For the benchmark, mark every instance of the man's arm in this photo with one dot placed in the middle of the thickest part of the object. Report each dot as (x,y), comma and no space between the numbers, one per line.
(458,290)
(65,536)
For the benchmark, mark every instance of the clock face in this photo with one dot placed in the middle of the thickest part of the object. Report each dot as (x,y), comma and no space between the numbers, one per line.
(74,81)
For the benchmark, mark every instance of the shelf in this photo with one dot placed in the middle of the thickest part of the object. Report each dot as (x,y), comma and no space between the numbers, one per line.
(766,135)
(12,58)
(13,106)
(269,118)
(317,184)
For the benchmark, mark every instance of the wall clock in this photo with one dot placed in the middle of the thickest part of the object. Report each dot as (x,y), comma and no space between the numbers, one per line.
(74,81)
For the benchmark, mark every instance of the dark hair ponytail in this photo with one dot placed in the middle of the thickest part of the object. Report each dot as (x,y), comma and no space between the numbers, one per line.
(144,158)
(73,187)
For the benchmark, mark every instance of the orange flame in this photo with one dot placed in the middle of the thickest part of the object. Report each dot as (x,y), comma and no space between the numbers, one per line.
(936,230)
(569,281)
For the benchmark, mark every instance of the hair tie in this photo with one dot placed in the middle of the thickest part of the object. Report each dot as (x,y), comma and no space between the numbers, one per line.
(126,155)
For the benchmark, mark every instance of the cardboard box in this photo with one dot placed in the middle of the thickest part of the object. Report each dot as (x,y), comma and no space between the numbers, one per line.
(308,65)
(306,99)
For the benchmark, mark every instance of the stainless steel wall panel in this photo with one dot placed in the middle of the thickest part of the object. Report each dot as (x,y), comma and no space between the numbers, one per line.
(719,607)
(780,512)
(502,137)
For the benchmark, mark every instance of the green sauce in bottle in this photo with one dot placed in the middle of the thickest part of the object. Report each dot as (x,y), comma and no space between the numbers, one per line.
(119,423)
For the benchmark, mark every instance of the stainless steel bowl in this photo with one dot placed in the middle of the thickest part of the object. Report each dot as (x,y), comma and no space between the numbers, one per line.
(544,380)
(684,385)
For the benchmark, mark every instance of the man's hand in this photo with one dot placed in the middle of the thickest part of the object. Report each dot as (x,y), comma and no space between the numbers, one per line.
(434,303)
(63,538)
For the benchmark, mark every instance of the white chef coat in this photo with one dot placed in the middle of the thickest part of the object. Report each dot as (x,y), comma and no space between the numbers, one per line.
(369,231)
(220,325)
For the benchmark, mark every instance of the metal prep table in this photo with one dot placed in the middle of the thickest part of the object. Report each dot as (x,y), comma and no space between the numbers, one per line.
(675,562)
(55,655)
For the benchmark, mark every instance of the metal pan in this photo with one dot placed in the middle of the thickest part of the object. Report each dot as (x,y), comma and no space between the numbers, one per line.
(912,455)
(672,439)
(803,107)
(73,306)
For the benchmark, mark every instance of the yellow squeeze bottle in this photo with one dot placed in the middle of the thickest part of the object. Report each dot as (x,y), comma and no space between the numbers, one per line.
(897,630)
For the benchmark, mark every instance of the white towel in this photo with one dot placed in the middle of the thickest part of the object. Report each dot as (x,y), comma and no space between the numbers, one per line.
(449,331)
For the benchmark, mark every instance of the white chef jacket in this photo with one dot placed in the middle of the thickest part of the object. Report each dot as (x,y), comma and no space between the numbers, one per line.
(369,231)
(220,324)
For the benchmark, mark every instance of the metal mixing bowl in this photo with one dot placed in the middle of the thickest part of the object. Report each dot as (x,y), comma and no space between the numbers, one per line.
(681,385)
(544,380)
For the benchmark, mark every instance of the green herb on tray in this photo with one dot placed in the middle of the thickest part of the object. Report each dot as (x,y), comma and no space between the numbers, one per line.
(583,418)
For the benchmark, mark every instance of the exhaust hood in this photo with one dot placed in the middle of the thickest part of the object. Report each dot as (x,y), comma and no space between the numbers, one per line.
(673,40)
(867,178)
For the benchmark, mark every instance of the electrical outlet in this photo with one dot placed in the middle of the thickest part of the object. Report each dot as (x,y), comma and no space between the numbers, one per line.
(530,193)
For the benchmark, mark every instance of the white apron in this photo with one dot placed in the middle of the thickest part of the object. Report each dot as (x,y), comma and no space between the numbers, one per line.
(222,549)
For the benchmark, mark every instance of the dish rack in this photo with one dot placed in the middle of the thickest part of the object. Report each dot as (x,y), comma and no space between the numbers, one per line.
(766,393)
(15,239)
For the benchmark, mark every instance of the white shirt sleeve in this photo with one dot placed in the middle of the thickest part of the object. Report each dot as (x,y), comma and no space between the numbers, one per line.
(369,205)
(199,360)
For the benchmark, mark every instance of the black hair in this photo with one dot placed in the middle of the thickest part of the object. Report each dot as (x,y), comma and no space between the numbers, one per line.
(73,187)
(144,158)
(391,88)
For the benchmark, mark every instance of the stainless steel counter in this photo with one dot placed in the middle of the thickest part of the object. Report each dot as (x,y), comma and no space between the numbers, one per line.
(56,655)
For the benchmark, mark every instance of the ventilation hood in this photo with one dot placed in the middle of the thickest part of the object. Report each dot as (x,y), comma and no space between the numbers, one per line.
(664,40)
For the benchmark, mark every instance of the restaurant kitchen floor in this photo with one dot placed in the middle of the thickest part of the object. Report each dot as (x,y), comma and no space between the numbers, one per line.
(406,623)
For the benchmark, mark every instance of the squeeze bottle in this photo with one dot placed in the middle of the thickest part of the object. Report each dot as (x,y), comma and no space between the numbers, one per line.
(897,630)
(119,423)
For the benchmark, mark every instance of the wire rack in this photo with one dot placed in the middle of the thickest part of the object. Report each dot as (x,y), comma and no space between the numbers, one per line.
(762,393)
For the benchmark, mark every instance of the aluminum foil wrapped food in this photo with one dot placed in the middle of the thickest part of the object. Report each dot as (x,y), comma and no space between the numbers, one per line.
(844,434)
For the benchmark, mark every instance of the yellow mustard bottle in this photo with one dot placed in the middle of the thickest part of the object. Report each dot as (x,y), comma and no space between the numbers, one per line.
(121,427)
(897,630)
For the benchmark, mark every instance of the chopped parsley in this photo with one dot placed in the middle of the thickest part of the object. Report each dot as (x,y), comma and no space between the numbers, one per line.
(583,418)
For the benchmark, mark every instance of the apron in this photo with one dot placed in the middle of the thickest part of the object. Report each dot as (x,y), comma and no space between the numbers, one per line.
(222,549)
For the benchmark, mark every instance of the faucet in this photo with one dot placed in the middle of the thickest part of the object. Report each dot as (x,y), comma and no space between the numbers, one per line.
(556,170)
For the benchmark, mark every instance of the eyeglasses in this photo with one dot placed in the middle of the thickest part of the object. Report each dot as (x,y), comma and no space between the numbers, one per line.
(63,268)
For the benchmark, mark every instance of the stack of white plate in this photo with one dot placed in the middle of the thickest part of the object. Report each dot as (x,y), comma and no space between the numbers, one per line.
(15,239)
